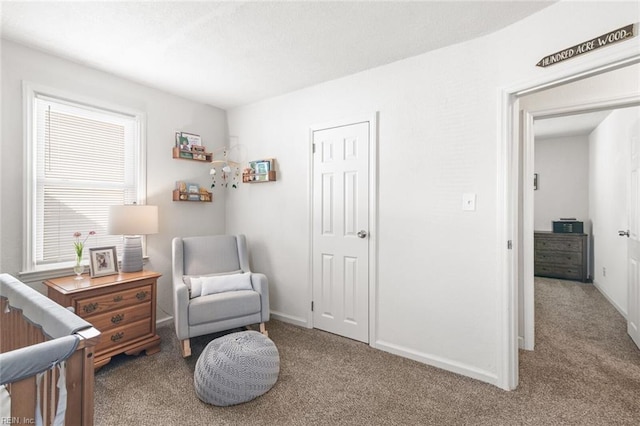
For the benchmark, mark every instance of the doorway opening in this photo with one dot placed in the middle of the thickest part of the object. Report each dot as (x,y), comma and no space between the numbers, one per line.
(527,216)
(519,172)
(582,169)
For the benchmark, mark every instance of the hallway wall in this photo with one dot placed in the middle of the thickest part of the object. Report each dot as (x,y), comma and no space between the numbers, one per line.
(609,146)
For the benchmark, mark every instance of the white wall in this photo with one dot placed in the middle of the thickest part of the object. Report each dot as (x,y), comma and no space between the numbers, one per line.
(609,146)
(562,165)
(437,266)
(164,114)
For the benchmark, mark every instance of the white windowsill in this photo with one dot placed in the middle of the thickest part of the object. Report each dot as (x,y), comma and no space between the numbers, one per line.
(43,273)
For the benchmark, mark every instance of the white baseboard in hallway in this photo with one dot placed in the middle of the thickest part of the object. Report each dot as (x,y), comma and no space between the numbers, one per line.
(435,361)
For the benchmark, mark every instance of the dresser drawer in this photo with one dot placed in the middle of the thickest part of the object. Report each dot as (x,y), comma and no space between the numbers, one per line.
(112,301)
(120,317)
(120,335)
(559,271)
(559,257)
(559,245)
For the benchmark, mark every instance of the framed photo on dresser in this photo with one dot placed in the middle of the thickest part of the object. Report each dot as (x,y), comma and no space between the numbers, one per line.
(103,261)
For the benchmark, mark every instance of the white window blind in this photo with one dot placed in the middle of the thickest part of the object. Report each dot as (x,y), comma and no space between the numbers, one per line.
(87,159)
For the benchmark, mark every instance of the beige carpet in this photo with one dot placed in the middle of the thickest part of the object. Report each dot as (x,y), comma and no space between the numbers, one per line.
(585,371)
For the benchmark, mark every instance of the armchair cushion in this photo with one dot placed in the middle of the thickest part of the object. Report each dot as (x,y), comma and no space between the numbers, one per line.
(223,283)
(222,306)
(194,282)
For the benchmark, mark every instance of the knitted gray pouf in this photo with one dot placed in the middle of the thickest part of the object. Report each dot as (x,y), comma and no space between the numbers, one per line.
(236,368)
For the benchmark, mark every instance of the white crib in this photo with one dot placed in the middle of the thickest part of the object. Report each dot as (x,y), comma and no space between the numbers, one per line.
(46,359)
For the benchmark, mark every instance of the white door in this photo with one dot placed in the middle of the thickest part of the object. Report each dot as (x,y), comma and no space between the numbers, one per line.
(340,230)
(633,235)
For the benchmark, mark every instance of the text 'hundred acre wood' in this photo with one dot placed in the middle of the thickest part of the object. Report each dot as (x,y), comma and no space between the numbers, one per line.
(611,37)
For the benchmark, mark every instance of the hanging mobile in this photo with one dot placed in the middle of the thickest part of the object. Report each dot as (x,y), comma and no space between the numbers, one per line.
(212,172)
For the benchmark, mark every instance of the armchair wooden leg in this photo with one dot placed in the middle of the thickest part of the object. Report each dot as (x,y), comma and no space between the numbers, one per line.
(185,348)
(263,329)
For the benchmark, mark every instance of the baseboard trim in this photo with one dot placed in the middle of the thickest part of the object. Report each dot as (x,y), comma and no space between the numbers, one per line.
(163,321)
(435,361)
(301,322)
(609,299)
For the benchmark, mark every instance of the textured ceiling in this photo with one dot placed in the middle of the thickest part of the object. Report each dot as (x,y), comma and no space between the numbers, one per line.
(233,53)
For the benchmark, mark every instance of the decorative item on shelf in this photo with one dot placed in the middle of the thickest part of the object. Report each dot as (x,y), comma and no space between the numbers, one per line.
(198,153)
(185,141)
(260,171)
(132,221)
(205,195)
(229,170)
(78,245)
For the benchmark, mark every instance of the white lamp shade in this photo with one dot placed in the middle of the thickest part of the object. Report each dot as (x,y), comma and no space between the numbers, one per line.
(133,219)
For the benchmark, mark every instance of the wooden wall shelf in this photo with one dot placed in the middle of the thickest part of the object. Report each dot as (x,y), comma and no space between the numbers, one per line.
(190,155)
(270,176)
(196,197)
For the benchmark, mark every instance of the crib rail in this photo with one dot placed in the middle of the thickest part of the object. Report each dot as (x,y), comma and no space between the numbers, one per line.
(20,337)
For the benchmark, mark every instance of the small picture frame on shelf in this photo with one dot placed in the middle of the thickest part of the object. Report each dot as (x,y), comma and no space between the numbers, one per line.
(103,261)
(193,188)
(262,166)
(191,140)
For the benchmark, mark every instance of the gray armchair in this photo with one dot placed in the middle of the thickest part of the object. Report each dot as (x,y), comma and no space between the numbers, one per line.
(214,289)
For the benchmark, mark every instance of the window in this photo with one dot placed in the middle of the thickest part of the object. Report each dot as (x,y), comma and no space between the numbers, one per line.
(81,159)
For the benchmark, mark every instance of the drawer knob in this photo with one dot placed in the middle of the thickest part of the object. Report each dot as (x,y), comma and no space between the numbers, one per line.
(117,336)
(118,298)
(142,295)
(117,318)
(87,309)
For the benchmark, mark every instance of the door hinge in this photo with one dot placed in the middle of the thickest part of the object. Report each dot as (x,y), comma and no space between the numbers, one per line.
(509,245)
(312,306)
(313,148)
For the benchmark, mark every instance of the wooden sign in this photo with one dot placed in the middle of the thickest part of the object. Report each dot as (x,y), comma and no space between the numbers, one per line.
(604,40)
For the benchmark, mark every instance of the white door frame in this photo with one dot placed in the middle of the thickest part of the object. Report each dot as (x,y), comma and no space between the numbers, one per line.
(509,172)
(528,140)
(372,239)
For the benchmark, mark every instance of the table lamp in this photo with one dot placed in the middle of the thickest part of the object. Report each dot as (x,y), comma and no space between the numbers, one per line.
(132,221)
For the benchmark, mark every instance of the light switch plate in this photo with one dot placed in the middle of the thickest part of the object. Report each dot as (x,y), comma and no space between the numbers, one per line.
(469,202)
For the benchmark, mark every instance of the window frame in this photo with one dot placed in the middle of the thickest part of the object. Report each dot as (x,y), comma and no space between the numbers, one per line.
(31,91)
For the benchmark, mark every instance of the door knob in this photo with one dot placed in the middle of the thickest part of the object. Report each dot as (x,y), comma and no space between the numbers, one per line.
(623,233)
(362,234)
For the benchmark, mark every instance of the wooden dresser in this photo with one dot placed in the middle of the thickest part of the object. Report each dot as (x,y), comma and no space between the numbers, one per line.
(121,306)
(561,256)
